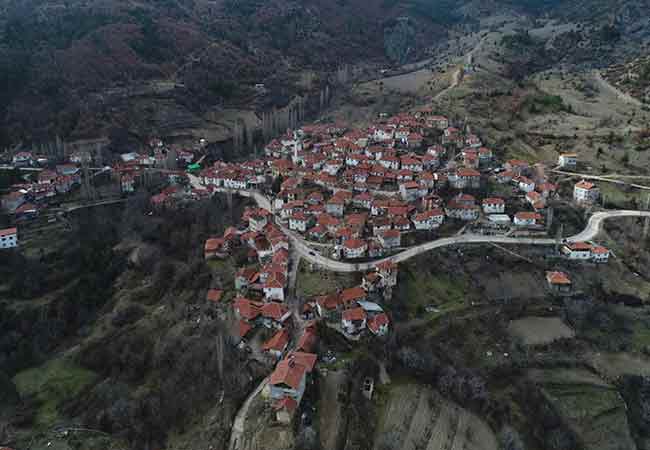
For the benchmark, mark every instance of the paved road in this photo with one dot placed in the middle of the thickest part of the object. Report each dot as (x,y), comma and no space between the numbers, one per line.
(302,247)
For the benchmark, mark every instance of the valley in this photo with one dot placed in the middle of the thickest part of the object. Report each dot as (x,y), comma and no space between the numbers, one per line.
(326,226)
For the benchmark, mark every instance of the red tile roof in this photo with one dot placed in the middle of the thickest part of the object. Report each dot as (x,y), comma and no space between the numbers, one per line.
(305,359)
(288,373)
(353,294)
(243,328)
(558,278)
(275,311)
(278,341)
(285,403)
(374,323)
(8,231)
(214,295)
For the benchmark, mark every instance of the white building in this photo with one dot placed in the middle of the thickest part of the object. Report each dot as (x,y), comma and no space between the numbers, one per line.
(580,251)
(585,192)
(8,238)
(568,160)
(494,205)
(428,220)
(526,219)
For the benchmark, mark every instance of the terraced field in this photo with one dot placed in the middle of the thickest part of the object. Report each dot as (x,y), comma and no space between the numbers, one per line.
(416,417)
(591,407)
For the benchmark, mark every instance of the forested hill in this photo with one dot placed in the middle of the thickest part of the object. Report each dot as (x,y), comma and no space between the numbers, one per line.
(59,59)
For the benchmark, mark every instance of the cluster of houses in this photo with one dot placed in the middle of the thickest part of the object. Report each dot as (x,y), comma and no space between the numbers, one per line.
(25,199)
(559,282)
(260,303)
(363,189)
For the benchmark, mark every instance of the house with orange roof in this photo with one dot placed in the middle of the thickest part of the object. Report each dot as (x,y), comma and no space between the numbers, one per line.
(527,219)
(493,205)
(558,282)
(247,310)
(599,254)
(277,344)
(378,324)
(213,248)
(580,251)
(355,248)
(284,409)
(429,219)
(585,192)
(353,320)
(273,287)
(327,305)
(288,379)
(390,239)
(275,315)
(349,297)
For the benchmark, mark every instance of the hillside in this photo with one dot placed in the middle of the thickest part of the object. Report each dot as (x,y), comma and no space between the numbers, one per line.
(89,69)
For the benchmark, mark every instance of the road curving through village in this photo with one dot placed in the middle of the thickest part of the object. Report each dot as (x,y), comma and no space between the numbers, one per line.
(305,251)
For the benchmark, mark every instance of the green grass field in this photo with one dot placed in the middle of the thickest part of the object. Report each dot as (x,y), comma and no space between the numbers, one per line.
(51,385)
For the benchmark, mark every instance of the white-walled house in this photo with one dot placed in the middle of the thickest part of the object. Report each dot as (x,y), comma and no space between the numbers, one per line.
(494,205)
(9,238)
(568,160)
(580,251)
(527,218)
(585,192)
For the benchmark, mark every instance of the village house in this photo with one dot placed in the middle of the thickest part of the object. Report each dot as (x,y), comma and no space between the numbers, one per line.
(558,282)
(335,206)
(13,200)
(463,207)
(351,296)
(275,315)
(599,254)
(378,324)
(300,222)
(504,177)
(247,310)
(429,219)
(494,205)
(127,183)
(390,239)
(353,320)
(289,377)
(517,166)
(568,161)
(439,122)
(277,344)
(274,287)
(536,200)
(258,219)
(328,305)
(22,159)
(525,184)
(284,410)
(527,219)
(411,190)
(577,251)
(9,238)
(244,278)
(467,178)
(355,248)
(213,248)
(585,192)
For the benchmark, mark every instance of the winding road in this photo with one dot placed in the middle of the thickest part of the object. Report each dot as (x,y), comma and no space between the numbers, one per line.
(305,251)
